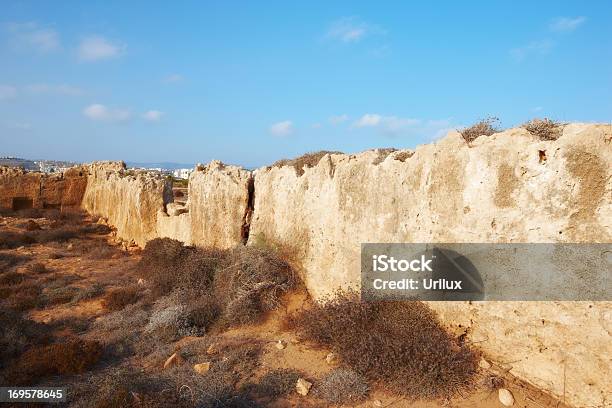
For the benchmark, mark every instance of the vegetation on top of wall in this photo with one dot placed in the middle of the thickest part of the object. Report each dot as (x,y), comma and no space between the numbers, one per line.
(484,127)
(306,160)
(544,129)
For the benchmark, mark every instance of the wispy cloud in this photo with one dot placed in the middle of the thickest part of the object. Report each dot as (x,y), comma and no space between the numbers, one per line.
(533,48)
(99,112)
(393,126)
(566,24)
(96,48)
(284,128)
(152,115)
(338,119)
(351,30)
(7,92)
(173,78)
(62,89)
(32,36)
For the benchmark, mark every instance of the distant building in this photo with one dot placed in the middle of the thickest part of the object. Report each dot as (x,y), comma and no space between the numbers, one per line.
(182,173)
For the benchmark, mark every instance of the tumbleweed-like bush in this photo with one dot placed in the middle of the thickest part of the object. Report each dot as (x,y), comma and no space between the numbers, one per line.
(485,127)
(400,345)
(342,386)
(544,129)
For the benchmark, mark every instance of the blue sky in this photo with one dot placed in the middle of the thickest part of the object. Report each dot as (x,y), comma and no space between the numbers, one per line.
(253,82)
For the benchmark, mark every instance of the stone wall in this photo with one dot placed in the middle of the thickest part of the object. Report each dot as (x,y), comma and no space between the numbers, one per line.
(129,200)
(509,187)
(219,205)
(20,189)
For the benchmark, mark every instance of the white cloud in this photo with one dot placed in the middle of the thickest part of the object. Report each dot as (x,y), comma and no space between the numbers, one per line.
(7,92)
(284,128)
(61,89)
(566,24)
(336,120)
(153,115)
(533,48)
(351,30)
(173,78)
(369,119)
(31,35)
(393,126)
(96,48)
(100,112)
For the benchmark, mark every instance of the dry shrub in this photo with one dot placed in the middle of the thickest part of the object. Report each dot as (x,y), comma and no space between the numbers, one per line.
(10,240)
(17,334)
(59,296)
(88,292)
(403,156)
(486,127)
(382,155)
(274,384)
(7,261)
(342,386)
(56,255)
(251,283)
(400,344)
(24,297)
(117,299)
(12,278)
(307,160)
(69,357)
(32,225)
(38,268)
(544,129)
(168,265)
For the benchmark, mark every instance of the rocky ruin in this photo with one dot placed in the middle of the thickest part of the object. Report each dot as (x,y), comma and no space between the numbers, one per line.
(509,187)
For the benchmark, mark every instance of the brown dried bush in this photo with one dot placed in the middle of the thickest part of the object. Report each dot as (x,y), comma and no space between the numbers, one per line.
(58,296)
(485,127)
(168,265)
(38,268)
(544,129)
(24,296)
(382,155)
(7,261)
(32,225)
(307,160)
(250,283)
(117,299)
(69,357)
(10,240)
(342,386)
(17,334)
(399,344)
(12,278)
(274,384)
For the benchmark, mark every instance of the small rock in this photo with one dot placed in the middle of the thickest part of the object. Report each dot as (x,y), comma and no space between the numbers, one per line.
(484,364)
(202,368)
(173,360)
(295,341)
(505,397)
(70,246)
(302,386)
(377,403)
(141,281)
(212,349)
(21,248)
(281,344)
(331,358)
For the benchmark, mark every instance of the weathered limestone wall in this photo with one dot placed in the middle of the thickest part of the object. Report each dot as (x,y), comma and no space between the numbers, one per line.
(20,189)
(129,200)
(509,187)
(219,205)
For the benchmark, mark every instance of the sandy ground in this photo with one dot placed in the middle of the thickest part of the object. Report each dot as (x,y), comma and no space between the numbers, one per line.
(84,270)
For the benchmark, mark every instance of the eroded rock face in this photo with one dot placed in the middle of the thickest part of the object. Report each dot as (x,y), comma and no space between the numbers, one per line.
(130,200)
(21,190)
(219,205)
(509,187)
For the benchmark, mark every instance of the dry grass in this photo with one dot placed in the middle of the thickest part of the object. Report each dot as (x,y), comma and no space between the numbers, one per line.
(273,384)
(383,153)
(544,129)
(38,268)
(399,344)
(7,261)
(485,127)
(342,386)
(69,357)
(307,160)
(119,298)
